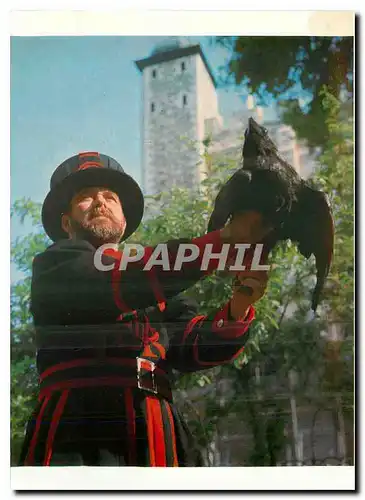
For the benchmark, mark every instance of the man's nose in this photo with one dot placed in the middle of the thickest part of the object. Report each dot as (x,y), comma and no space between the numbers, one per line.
(99,199)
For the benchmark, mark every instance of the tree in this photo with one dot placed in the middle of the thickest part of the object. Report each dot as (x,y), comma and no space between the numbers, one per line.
(298,343)
(337,160)
(23,369)
(288,68)
(320,70)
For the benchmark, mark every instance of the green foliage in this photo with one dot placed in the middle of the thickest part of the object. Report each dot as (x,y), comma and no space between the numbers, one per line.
(23,369)
(274,66)
(320,69)
(298,344)
(337,179)
(337,176)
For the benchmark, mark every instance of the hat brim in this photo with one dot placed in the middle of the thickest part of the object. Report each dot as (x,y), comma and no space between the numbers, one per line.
(58,199)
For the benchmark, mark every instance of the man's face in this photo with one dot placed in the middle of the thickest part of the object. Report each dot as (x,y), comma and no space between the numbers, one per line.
(96,214)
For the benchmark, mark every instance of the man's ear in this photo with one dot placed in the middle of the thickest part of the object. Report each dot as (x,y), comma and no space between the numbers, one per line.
(66,223)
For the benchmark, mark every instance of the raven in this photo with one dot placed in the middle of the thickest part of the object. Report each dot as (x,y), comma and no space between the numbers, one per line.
(295,209)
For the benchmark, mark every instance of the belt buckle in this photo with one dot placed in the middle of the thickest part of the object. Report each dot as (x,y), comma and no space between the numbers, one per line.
(152,366)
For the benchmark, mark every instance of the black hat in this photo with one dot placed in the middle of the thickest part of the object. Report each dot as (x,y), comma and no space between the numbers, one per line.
(88,170)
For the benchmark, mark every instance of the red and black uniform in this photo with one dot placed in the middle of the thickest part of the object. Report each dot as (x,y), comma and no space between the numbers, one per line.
(105,352)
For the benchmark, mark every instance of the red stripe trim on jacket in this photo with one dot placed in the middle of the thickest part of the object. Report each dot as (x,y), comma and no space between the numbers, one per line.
(156,435)
(213,238)
(232,330)
(131,426)
(85,382)
(54,425)
(119,302)
(29,460)
(214,363)
(150,434)
(116,280)
(89,362)
(227,328)
(89,382)
(157,290)
(190,326)
(175,461)
(238,353)
(153,280)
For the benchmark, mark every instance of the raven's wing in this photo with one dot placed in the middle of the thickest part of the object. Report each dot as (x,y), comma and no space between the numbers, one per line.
(265,191)
(323,237)
(314,233)
(229,198)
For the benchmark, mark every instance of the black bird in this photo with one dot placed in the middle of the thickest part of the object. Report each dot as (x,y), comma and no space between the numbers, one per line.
(296,210)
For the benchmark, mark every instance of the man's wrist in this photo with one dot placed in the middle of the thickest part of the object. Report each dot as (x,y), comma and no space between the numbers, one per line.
(238,312)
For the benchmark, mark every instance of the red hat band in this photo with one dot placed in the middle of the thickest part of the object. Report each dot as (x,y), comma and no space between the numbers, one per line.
(83,165)
(89,164)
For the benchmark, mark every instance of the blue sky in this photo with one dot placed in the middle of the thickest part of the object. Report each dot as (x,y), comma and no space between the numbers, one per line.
(70,94)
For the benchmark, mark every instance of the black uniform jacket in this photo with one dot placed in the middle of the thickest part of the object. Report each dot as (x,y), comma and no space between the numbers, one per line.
(107,342)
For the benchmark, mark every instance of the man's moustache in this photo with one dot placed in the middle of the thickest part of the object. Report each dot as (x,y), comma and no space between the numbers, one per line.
(95,213)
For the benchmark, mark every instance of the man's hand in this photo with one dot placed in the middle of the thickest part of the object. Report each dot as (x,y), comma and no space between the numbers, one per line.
(248,227)
(248,288)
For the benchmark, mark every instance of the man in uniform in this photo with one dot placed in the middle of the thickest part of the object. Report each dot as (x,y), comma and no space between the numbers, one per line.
(108,340)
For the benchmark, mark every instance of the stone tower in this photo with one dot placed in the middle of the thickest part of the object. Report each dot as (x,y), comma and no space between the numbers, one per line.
(180,107)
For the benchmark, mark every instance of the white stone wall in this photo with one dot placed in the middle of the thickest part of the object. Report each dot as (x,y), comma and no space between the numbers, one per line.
(185,104)
(170,130)
(207,95)
(209,118)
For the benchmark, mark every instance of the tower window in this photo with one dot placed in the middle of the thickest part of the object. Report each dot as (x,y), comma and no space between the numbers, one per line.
(152,107)
(154,73)
(182,66)
(185,100)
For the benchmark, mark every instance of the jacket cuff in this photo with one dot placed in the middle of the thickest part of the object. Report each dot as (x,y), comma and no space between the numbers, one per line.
(227,328)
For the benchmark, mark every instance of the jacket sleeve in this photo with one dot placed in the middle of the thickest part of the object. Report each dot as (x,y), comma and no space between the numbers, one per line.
(66,284)
(199,342)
